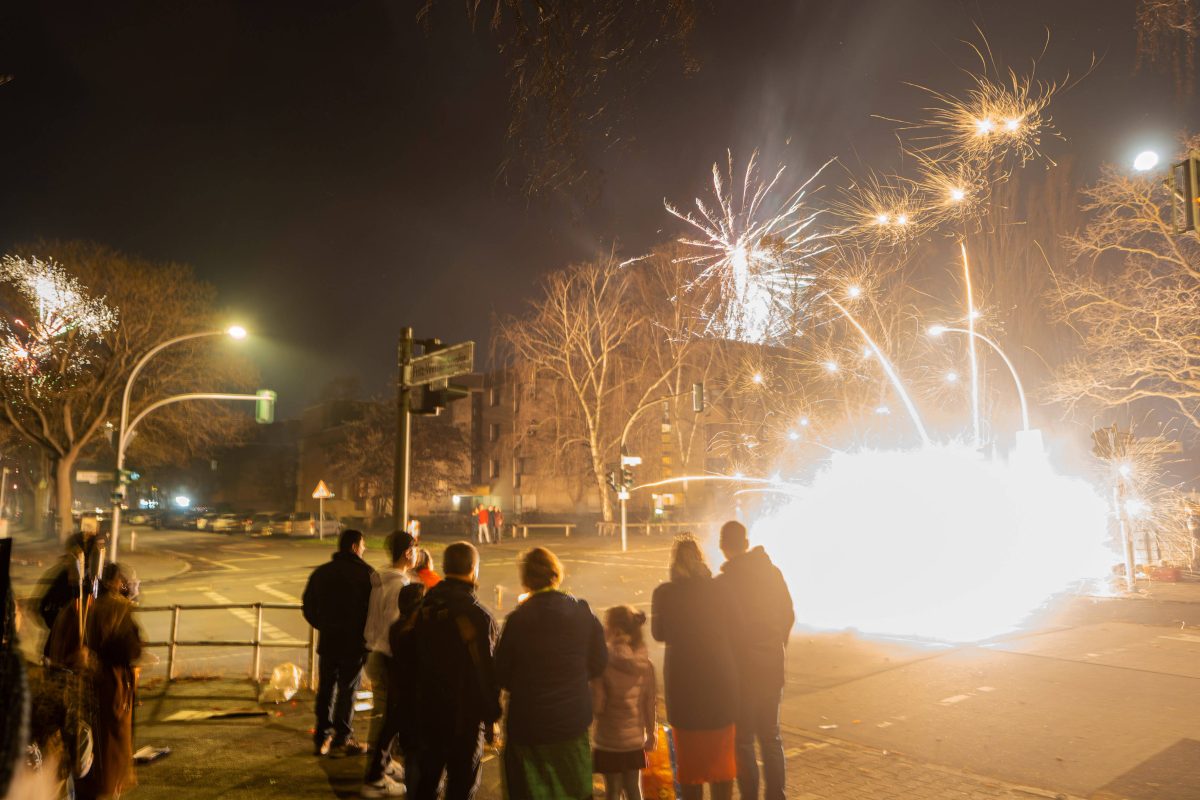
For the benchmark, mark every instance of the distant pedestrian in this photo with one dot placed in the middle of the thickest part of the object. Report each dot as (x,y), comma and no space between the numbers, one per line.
(551,647)
(481,514)
(459,703)
(115,642)
(423,571)
(691,614)
(499,524)
(762,622)
(492,534)
(623,701)
(384,611)
(336,602)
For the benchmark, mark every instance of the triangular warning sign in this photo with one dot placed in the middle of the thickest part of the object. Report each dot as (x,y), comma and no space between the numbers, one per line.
(322,491)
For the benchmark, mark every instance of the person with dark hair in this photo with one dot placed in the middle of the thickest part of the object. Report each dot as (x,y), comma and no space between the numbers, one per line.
(384,610)
(336,602)
(690,614)
(115,642)
(455,638)
(762,622)
(624,704)
(551,647)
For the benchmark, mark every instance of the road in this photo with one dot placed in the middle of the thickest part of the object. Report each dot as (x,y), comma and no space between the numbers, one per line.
(1094,701)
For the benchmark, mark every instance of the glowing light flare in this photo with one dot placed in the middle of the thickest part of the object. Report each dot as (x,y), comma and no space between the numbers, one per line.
(831,366)
(948,534)
(854,292)
(951,377)
(957,194)
(757,378)
(1145,161)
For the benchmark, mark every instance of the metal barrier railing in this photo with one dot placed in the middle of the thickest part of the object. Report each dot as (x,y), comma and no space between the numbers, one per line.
(174,642)
(614,528)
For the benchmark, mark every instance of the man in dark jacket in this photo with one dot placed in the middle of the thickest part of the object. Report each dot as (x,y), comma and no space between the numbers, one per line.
(455,638)
(763,619)
(336,601)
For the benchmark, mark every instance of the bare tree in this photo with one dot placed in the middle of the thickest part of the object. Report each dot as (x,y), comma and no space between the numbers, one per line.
(1133,299)
(67,400)
(1166,37)
(591,359)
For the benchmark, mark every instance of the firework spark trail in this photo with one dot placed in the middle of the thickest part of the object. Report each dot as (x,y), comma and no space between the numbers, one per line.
(751,258)
(61,307)
(975,423)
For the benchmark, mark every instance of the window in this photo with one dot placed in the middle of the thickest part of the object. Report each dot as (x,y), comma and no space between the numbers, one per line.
(494,432)
(494,396)
(494,468)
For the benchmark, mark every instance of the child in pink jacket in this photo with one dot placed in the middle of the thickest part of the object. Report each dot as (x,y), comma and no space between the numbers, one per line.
(623,701)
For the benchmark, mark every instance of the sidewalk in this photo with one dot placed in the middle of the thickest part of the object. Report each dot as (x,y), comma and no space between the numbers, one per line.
(271,757)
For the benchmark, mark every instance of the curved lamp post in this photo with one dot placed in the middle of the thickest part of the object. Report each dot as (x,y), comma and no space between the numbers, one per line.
(938,330)
(124,431)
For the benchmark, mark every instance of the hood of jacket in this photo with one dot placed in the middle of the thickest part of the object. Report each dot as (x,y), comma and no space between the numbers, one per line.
(754,560)
(622,657)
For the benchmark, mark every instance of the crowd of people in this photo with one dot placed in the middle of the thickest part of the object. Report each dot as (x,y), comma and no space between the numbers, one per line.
(576,697)
(489,524)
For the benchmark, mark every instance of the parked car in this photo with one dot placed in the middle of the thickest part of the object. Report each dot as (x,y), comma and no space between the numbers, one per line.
(204,521)
(258,523)
(225,523)
(304,523)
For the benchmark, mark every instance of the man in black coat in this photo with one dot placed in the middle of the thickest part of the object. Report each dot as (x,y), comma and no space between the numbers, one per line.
(455,638)
(336,601)
(763,617)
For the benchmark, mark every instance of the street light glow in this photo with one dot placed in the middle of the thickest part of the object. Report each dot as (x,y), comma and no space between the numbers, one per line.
(182,500)
(236,331)
(1146,160)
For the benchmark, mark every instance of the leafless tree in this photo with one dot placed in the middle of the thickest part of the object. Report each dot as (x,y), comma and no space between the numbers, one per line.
(72,401)
(1132,299)
(1166,38)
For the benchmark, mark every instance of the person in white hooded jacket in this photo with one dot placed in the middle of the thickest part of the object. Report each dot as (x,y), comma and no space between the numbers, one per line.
(623,702)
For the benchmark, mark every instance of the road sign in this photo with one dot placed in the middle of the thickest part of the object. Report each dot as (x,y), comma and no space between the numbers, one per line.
(457,359)
(322,491)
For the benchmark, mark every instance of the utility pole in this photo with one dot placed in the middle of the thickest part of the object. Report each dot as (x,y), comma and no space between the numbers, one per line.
(404,354)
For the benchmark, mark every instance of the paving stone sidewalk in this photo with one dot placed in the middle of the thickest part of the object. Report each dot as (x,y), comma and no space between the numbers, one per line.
(271,757)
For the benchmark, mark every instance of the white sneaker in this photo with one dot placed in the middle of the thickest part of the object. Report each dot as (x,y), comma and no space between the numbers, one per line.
(395,770)
(384,787)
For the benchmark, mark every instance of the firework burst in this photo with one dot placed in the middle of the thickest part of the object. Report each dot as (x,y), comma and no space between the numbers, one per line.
(753,254)
(883,211)
(61,308)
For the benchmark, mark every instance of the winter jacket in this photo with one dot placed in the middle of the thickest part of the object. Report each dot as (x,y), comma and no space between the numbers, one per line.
(455,638)
(551,647)
(763,617)
(383,611)
(623,698)
(692,617)
(336,601)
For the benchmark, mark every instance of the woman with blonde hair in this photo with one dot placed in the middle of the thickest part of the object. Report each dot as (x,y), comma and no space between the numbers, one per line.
(691,615)
(551,647)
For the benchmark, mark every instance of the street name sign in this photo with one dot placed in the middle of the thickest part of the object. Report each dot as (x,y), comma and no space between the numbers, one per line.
(449,362)
(322,491)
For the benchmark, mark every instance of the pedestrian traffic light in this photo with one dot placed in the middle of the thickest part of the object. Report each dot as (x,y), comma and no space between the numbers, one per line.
(264,407)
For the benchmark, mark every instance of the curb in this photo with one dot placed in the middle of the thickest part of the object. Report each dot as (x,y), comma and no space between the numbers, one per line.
(833,741)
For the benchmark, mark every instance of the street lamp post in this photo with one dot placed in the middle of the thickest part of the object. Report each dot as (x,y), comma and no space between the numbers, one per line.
(938,330)
(236,331)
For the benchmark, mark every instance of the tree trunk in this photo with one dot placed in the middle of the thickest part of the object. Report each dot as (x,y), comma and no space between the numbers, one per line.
(64,493)
(606,501)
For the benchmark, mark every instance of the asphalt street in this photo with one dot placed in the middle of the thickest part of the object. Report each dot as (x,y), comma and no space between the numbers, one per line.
(1096,700)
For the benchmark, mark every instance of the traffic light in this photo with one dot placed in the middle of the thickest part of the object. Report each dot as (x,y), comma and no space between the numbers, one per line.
(612,479)
(429,400)
(264,407)
(128,476)
(1185,183)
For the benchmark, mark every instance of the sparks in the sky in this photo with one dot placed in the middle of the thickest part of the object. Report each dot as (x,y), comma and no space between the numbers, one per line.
(61,308)
(753,254)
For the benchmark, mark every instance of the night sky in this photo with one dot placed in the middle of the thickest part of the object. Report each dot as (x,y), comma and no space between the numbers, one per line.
(332,168)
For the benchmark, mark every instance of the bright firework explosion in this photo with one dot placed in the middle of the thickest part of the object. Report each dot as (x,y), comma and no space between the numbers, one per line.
(60,309)
(752,257)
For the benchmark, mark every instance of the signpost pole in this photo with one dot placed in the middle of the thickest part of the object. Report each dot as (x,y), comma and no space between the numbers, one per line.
(321,518)
(403,431)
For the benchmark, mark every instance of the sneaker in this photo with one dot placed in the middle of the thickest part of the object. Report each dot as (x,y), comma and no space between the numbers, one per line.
(395,770)
(321,746)
(350,747)
(384,787)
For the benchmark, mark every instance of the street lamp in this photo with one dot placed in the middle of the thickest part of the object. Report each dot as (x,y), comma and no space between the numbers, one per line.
(1145,161)
(234,331)
(937,330)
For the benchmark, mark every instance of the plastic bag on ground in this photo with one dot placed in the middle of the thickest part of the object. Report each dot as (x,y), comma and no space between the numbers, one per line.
(284,683)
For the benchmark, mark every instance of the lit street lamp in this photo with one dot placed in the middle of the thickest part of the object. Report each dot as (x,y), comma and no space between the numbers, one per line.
(938,330)
(1145,161)
(125,430)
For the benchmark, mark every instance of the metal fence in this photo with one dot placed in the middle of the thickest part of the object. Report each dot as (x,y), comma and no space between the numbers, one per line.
(173,643)
(614,528)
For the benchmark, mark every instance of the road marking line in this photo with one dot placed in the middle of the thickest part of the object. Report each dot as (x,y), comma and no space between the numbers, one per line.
(266,588)
(958,698)
(986,689)
(250,618)
(1183,637)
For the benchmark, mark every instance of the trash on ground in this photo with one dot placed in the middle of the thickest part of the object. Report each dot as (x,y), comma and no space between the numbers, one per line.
(284,683)
(194,714)
(147,754)
(827,727)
